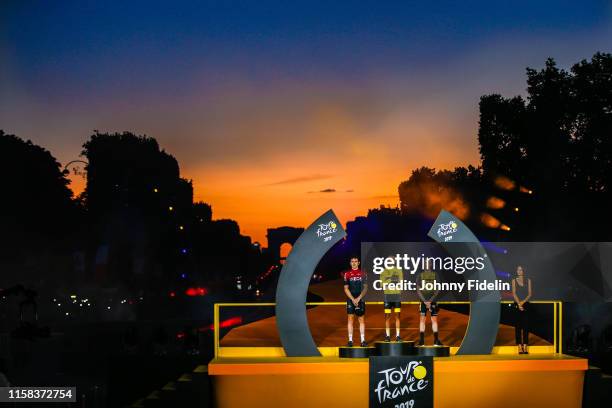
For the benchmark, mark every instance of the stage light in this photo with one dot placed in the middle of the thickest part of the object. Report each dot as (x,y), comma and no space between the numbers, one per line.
(489,220)
(495,203)
(181,227)
(516,209)
(504,183)
(155,190)
(170,208)
(232,321)
(504,227)
(199,291)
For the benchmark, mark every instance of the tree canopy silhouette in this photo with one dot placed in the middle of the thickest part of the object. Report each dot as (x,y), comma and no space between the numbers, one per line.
(557,142)
(559,139)
(130,171)
(36,209)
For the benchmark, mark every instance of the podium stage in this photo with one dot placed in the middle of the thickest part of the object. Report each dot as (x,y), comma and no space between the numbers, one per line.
(250,365)
(545,380)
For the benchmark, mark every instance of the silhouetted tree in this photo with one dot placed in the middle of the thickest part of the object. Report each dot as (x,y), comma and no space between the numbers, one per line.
(557,142)
(202,212)
(591,138)
(143,210)
(36,210)
(127,170)
(502,135)
(138,204)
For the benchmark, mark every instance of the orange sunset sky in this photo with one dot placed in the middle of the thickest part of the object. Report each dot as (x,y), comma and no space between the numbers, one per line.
(271,180)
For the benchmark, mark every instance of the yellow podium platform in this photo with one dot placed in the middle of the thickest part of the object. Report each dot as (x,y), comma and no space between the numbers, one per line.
(512,381)
(251,369)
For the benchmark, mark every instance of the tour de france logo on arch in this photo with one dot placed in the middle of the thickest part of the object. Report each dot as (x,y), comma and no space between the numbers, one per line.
(326,229)
(445,230)
(401,382)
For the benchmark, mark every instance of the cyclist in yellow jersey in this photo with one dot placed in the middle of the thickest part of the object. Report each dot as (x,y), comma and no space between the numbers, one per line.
(428,303)
(393,302)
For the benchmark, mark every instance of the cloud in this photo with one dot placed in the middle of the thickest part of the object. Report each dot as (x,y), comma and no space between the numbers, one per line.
(325,190)
(301,179)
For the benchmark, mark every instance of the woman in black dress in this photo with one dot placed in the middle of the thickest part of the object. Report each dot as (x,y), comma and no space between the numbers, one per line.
(521,291)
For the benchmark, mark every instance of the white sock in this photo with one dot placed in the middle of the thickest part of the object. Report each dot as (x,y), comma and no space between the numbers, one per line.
(362,337)
(397,331)
(387,330)
(350,337)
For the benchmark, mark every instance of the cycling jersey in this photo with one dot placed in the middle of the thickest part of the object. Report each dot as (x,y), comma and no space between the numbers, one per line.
(356,281)
(393,275)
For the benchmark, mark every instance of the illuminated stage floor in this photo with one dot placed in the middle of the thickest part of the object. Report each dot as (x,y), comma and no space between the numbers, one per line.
(328,327)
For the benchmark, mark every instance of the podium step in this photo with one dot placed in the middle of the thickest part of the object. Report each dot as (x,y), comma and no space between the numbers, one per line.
(433,351)
(356,352)
(395,348)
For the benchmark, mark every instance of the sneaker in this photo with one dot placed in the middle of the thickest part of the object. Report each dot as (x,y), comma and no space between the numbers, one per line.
(350,343)
(387,338)
(438,343)
(364,344)
(398,338)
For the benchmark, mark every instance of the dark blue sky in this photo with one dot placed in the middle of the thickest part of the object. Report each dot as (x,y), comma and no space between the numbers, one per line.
(248,94)
(92,43)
